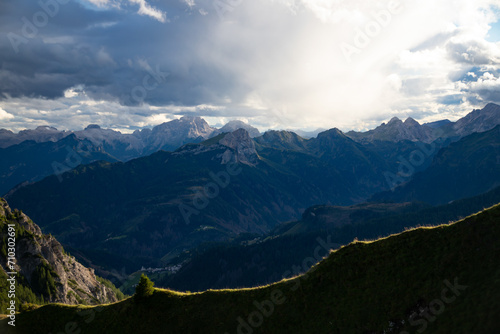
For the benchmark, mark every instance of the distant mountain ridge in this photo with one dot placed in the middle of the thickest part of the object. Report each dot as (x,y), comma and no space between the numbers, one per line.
(30,161)
(167,136)
(479,120)
(173,134)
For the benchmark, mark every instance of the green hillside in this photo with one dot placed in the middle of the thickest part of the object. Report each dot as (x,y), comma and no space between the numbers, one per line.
(442,280)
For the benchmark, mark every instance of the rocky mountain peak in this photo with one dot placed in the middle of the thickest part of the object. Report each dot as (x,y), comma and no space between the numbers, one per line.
(92,126)
(411,122)
(331,134)
(394,120)
(479,120)
(241,148)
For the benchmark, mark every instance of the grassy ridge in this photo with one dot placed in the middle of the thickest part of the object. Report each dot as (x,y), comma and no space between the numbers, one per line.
(365,287)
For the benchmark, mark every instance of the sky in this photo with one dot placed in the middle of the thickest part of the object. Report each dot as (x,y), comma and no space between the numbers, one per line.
(277,64)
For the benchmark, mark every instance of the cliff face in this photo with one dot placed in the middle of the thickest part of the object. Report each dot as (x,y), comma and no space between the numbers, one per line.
(241,148)
(42,264)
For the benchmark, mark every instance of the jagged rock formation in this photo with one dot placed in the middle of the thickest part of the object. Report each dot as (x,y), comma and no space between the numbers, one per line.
(171,135)
(396,130)
(241,148)
(479,120)
(167,136)
(42,264)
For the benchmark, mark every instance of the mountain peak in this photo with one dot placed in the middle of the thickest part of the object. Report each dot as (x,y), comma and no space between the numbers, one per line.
(331,133)
(191,119)
(394,120)
(411,122)
(241,148)
(92,126)
(493,107)
(479,120)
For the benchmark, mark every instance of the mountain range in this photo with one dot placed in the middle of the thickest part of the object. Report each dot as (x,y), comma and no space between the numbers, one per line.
(479,120)
(148,210)
(167,136)
(31,155)
(169,201)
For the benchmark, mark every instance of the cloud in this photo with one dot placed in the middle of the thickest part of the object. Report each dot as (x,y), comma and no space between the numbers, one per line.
(474,52)
(5,115)
(146,9)
(99,3)
(277,63)
(190,3)
(486,88)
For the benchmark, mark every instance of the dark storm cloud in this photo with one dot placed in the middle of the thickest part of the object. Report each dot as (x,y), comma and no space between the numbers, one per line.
(110,53)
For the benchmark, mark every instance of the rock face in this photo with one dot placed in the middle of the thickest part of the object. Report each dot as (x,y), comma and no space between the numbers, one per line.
(171,135)
(478,120)
(46,268)
(241,148)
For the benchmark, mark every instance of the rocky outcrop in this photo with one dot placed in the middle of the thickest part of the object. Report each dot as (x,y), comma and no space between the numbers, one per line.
(42,264)
(240,148)
(478,120)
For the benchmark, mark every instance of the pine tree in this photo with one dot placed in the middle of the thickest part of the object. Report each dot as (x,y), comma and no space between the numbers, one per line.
(144,288)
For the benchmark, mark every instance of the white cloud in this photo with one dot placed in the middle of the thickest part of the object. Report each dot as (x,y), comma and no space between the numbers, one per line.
(99,3)
(5,115)
(146,9)
(487,87)
(190,3)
